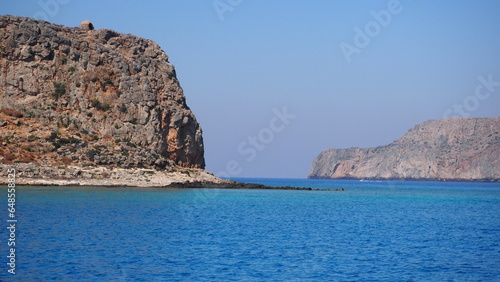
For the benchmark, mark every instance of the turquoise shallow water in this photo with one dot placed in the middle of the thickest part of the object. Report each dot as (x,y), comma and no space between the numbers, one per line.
(372,231)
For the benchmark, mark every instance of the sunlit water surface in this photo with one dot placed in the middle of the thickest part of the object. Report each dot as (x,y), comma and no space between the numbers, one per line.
(371,231)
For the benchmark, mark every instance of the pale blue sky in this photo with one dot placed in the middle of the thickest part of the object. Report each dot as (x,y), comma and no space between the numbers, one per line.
(238,64)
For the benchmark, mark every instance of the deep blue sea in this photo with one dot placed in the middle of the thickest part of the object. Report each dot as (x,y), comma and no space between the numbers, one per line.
(396,231)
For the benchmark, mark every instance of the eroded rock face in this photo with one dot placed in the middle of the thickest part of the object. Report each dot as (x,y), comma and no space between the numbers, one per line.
(448,149)
(91,97)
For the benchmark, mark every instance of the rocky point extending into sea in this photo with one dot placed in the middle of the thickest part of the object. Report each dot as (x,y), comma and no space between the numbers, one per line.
(452,149)
(86,106)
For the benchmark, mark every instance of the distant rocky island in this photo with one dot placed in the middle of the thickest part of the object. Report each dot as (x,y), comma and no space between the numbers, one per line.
(452,149)
(93,107)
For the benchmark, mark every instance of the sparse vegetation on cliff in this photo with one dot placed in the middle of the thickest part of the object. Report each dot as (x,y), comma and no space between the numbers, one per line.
(59,90)
(65,96)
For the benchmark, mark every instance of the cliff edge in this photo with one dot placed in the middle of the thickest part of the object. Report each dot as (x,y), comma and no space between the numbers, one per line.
(80,97)
(460,149)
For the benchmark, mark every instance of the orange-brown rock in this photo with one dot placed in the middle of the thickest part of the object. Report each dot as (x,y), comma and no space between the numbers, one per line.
(90,97)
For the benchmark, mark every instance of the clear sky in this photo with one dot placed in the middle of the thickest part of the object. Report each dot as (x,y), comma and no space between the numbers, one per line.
(273,83)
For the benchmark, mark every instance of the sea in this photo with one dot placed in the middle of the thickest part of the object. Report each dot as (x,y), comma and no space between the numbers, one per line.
(371,231)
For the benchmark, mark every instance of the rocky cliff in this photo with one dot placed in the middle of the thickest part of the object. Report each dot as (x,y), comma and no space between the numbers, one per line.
(85,97)
(450,149)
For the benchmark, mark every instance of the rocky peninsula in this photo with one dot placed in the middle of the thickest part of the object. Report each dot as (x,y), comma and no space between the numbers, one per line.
(86,106)
(452,149)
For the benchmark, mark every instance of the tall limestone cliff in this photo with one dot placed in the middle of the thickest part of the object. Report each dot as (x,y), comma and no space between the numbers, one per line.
(79,96)
(450,149)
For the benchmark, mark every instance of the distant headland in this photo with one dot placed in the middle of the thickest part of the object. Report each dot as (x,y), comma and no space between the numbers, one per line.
(452,149)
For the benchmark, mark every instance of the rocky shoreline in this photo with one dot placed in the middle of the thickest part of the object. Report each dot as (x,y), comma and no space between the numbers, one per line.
(30,174)
(33,174)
